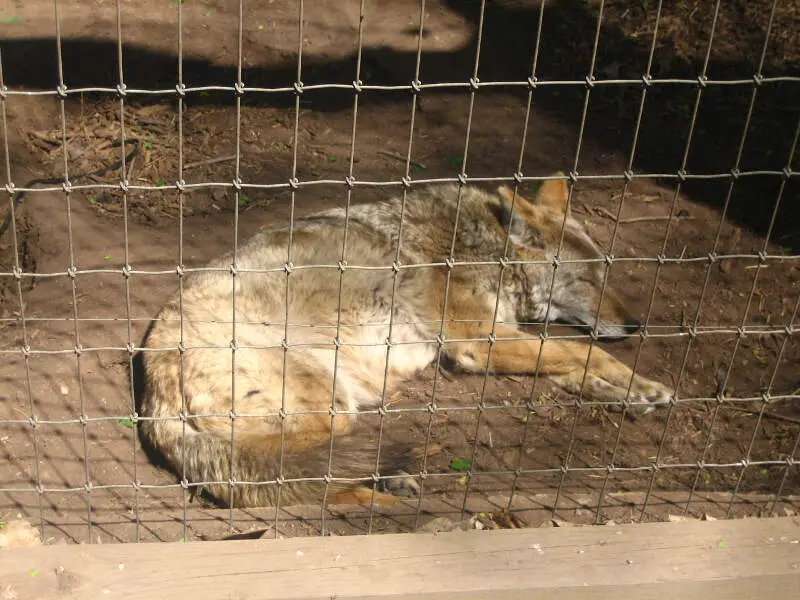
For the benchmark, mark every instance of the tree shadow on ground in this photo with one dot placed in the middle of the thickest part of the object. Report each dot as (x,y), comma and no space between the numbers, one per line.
(723,123)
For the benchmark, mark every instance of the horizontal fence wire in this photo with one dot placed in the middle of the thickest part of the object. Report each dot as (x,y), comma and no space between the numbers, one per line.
(689,331)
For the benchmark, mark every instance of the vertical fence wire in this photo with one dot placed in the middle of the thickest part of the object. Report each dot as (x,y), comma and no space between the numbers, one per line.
(237,195)
(126,268)
(765,395)
(668,229)
(342,268)
(529,405)
(399,234)
(791,456)
(186,492)
(17,270)
(656,465)
(72,271)
(621,423)
(481,404)
(765,247)
(298,90)
(579,401)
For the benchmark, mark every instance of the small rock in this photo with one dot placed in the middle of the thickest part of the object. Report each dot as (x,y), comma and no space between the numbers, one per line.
(219,196)
(443,525)
(64,390)
(708,517)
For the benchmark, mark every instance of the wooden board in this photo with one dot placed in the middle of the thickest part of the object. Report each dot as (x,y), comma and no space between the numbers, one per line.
(752,559)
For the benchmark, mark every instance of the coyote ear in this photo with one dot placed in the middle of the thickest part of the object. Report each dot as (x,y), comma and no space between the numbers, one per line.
(523,215)
(554,193)
(507,196)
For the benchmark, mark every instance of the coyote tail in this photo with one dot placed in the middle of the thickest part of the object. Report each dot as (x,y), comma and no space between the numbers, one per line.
(259,460)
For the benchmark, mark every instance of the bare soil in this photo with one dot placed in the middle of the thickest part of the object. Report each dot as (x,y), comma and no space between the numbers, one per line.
(725,453)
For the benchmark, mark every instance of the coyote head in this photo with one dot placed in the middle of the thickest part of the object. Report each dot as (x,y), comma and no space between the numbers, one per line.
(535,232)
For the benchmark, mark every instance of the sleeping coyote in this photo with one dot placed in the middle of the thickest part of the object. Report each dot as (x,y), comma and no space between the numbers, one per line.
(282,392)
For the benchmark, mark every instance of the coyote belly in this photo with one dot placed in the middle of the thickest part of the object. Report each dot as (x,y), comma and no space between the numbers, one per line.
(284,351)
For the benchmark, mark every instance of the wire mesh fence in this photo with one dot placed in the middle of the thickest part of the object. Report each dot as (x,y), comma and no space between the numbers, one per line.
(768,410)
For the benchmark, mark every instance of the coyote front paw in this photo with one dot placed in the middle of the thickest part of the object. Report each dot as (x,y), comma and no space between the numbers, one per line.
(612,391)
(645,396)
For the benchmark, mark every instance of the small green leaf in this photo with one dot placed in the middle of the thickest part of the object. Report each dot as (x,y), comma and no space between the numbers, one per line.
(182,540)
(524,419)
(11,20)
(2,524)
(92,200)
(244,199)
(416,167)
(720,544)
(161,182)
(455,161)
(333,159)
(459,464)
(463,480)
(759,355)
(125,423)
(33,573)
(208,12)
(107,257)
(586,222)
(707,478)
(148,145)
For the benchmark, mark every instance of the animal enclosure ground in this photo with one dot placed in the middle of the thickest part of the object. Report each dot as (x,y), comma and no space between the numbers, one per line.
(88,468)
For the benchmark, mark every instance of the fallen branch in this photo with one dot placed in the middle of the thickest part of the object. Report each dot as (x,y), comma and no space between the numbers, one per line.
(210,161)
(401,158)
(600,210)
(768,415)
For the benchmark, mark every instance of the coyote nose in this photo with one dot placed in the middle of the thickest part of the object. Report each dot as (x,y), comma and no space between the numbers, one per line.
(632,325)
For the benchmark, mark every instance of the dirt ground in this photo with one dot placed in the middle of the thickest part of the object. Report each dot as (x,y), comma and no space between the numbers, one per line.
(715,458)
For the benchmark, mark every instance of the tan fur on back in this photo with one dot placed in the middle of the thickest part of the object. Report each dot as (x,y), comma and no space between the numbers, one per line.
(277,378)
